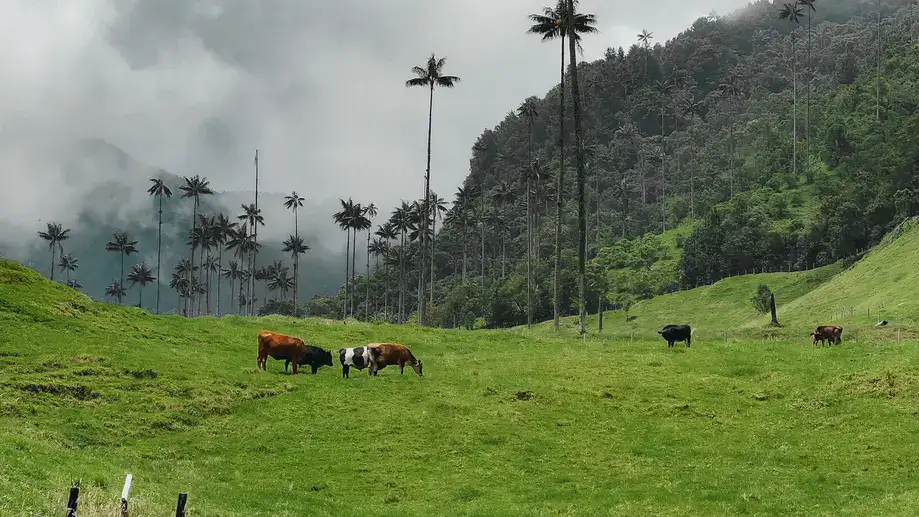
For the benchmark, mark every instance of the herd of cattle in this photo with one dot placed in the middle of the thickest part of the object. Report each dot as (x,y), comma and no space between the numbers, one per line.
(377,356)
(675,333)
(374,356)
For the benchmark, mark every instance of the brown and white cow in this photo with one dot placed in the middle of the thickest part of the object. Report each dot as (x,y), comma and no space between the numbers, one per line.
(829,333)
(280,347)
(385,354)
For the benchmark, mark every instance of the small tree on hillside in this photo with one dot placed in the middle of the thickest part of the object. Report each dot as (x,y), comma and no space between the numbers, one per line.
(764,301)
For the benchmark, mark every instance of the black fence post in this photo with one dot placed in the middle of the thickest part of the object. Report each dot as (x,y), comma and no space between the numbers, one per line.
(72,502)
(180,507)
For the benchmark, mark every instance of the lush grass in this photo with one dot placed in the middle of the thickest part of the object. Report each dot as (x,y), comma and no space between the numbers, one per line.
(503,423)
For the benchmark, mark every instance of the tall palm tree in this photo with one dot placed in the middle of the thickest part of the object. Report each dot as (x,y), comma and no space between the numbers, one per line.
(159,190)
(556,24)
(252,216)
(222,231)
(232,273)
(693,108)
(295,246)
(644,39)
(733,88)
(528,111)
(811,8)
(293,202)
(664,90)
(402,222)
(68,263)
(195,188)
(369,212)
(386,232)
(344,219)
(115,290)
(589,21)
(429,76)
(143,275)
(55,234)
(122,244)
(877,81)
(792,13)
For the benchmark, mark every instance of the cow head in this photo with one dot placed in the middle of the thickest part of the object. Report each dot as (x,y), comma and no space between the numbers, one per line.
(417,368)
(328,357)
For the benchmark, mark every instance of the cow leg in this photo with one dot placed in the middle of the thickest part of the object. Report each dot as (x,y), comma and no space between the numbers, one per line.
(688,341)
(345,371)
(286,364)
(401,368)
(315,369)
(296,368)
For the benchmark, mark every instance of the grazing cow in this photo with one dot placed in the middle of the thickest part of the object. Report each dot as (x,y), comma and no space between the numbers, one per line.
(315,357)
(357,357)
(280,347)
(675,333)
(384,354)
(829,333)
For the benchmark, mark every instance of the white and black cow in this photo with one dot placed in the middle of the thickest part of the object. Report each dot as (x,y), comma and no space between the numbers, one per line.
(357,357)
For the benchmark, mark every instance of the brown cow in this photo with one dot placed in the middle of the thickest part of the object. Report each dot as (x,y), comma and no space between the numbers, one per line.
(384,354)
(280,347)
(830,333)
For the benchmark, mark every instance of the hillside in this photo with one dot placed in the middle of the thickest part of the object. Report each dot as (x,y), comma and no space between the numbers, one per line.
(497,425)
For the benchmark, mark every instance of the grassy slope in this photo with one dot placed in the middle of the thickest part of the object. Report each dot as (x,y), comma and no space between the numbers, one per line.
(91,391)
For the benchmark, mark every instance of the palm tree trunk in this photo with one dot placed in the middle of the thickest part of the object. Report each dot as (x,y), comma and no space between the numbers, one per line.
(597,245)
(877,82)
(344,310)
(424,210)
(254,240)
(663,174)
(52,260)
(159,255)
(529,224)
(296,260)
(232,292)
(558,191)
(464,250)
(579,160)
(482,256)
(194,219)
(140,297)
(402,280)
(219,272)
(367,280)
(433,234)
(353,259)
(794,107)
(810,72)
(121,281)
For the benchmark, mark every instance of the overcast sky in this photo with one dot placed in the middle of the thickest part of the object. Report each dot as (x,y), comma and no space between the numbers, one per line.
(194,86)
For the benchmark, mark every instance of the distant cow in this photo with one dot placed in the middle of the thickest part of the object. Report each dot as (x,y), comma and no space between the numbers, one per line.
(357,357)
(385,354)
(315,357)
(675,333)
(829,333)
(280,347)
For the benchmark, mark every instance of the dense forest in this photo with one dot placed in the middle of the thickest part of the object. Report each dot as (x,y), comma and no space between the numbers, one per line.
(780,137)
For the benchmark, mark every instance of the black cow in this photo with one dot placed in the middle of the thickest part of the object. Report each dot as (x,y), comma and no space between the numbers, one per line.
(315,357)
(674,333)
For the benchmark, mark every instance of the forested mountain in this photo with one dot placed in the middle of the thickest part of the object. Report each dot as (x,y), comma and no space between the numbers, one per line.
(121,203)
(749,141)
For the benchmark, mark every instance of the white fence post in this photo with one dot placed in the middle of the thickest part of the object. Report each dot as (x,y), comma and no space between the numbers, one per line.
(124,494)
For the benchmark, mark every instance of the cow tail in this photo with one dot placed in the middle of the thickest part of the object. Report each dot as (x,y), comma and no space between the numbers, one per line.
(692,331)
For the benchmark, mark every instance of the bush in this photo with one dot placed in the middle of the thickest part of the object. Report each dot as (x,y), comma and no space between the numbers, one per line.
(761,299)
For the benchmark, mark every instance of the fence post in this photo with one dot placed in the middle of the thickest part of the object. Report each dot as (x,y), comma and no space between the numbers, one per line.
(180,507)
(124,494)
(72,502)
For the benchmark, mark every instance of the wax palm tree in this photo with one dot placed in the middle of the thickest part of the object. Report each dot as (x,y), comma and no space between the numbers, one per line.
(460,214)
(664,91)
(253,217)
(528,112)
(811,8)
(68,263)
(386,232)
(733,88)
(232,273)
(429,76)
(207,241)
(692,108)
(436,206)
(550,25)
(369,212)
(293,202)
(122,244)
(54,235)
(115,290)
(159,190)
(195,188)
(222,232)
(143,275)
(644,39)
(377,248)
(295,246)
(344,218)
(401,221)
(792,13)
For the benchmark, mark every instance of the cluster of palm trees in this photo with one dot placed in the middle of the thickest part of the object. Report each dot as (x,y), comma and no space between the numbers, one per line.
(194,276)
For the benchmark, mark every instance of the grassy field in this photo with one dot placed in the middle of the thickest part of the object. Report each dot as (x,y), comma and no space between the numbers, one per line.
(504,423)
